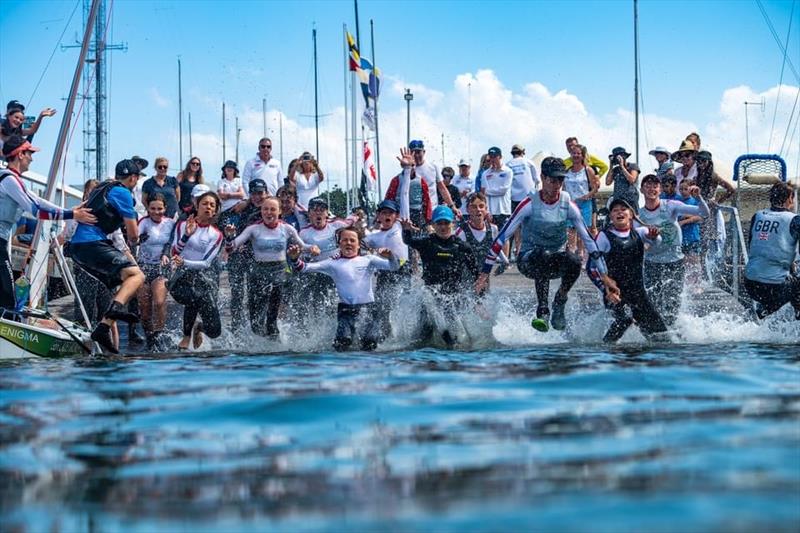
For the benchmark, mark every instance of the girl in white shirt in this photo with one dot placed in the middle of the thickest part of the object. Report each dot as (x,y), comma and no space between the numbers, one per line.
(353,275)
(230,189)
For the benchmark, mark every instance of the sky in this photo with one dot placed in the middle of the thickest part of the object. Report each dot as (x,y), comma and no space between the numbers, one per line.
(482,74)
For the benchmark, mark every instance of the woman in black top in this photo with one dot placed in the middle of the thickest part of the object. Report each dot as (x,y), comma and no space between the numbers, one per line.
(189,177)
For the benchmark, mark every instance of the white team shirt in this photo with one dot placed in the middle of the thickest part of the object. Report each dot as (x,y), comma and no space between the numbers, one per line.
(269,244)
(391,238)
(199,250)
(324,238)
(463,184)
(430,173)
(159,237)
(526,179)
(307,188)
(496,185)
(270,172)
(353,276)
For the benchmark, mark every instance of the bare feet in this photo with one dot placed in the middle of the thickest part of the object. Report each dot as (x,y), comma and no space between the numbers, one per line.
(184,344)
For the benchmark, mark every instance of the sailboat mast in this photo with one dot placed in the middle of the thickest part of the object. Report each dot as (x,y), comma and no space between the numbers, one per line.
(636,72)
(223,131)
(377,128)
(180,117)
(316,94)
(346,124)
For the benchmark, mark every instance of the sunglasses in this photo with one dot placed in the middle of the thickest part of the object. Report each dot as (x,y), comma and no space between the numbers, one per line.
(263,146)
(162,167)
(195,163)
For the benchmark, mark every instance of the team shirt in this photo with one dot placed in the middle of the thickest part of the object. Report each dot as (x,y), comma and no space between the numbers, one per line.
(157,243)
(774,236)
(526,179)
(198,250)
(352,276)
(665,218)
(270,172)
(543,224)
(391,238)
(496,184)
(324,239)
(15,199)
(269,243)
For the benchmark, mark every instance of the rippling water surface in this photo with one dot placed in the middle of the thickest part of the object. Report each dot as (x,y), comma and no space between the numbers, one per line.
(678,437)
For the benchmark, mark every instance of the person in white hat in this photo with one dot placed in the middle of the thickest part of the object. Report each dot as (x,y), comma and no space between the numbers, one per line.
(665,166)
(464,183)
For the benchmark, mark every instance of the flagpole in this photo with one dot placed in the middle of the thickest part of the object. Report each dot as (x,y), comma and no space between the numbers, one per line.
(346,125)
(354,131)
(377,128)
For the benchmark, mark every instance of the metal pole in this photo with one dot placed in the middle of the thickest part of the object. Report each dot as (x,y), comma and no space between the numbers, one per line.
(223,131)
(346,106)
(316,94)
(280,132)
(746,130)
(358,33)
(353,129)
(180,118)
(408,98)
(636,71)
(443,150)
(377,128)
(237,139)
(469,122)
(264,115)
(191,151)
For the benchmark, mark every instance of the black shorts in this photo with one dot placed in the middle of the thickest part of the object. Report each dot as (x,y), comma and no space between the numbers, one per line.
(153,271)
(101,260)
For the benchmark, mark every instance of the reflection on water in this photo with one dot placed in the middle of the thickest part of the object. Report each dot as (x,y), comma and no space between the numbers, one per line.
(667,438)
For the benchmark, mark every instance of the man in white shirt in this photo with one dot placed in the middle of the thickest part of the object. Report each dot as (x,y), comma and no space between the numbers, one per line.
(264,167)
(430,173)
(526,180)
(464,183)
(496,185)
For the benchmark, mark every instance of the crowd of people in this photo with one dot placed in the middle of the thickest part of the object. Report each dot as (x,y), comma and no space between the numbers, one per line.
(288,258)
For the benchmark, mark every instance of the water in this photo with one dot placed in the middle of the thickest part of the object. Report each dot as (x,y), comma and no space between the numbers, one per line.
(530,431)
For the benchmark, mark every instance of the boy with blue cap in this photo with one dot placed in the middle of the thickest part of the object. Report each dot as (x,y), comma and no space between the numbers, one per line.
(447,265)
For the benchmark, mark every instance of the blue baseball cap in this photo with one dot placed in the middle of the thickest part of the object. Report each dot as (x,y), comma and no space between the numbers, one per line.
(442,212)
(416,145)
(389,204)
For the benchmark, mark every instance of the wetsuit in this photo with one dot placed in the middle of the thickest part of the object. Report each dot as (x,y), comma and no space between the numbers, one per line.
(14,199)
(239,260)
(663,263)
(448,269)
(353,279)
(621,257)
(194,285)
(267,275)
(389,284)
(543,254)
(770,277)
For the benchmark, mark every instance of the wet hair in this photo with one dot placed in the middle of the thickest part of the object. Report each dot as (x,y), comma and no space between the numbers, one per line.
(187,170)
(287,189)
(476,196)
(158,197)
(779,193)
(212,194)
(357,230)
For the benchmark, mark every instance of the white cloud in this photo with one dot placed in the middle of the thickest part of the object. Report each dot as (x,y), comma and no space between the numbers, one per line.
(535,117)
(158,99)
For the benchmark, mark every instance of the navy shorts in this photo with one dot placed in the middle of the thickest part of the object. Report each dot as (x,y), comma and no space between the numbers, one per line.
(101,260)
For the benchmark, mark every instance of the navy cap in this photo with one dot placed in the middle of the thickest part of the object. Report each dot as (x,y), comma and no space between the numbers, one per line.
(319,201)
(416,145)
(553,167)
(494,150)
(230,164)
(14,104)
(257,185)
(389,204)
(142,162)
(619,150)
(126,168)
(620,201)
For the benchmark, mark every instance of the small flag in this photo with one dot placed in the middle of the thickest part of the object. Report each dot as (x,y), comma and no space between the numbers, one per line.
(369,170)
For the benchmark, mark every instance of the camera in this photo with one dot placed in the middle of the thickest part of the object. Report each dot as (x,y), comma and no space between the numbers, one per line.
(306,157)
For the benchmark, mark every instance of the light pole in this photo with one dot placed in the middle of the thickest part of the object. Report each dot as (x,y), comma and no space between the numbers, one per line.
(408,97)
(747,122)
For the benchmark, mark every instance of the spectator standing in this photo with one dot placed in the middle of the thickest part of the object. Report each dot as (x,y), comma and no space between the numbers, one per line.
(665,166)
(230,189)
(464,183)
(188,178)
(496,186)
(623,175)
(306,176)
(430,174)
(166,186)
(685,156)
(264,167)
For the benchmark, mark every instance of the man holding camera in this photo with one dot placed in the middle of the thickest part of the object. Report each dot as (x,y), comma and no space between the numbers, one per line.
(623,175)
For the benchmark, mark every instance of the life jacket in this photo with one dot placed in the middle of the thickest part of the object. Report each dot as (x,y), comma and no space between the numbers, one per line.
(624,260)
(108,219)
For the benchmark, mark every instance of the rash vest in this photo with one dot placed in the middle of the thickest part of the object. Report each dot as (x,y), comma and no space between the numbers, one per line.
(774,236)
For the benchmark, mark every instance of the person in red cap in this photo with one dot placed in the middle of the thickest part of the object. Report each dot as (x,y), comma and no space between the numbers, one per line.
(14,199)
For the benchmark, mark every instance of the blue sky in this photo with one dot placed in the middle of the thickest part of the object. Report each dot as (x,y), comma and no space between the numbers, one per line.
(539,71)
